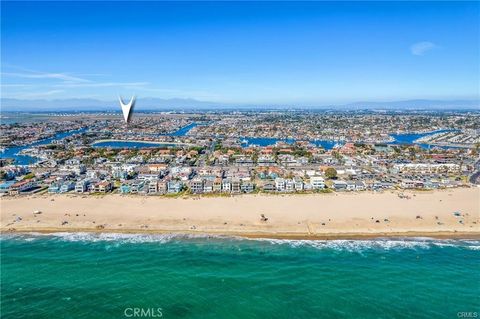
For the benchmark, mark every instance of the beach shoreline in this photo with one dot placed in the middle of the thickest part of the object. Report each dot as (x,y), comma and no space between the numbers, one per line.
(452,213)
(281,236)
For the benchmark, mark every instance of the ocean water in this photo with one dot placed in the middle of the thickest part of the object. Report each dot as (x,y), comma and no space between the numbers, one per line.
(109,275)
(131,144)
(12,152)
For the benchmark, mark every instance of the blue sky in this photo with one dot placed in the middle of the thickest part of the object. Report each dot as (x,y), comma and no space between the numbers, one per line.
(246,52)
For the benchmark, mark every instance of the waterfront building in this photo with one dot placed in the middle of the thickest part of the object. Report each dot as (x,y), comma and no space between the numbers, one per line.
(247,187)
(340,185)
(153,187)
(298,183)
(82,186)
(67,186)
(102,187)
(21,186)
(208,186)
(196,185)
(269,186)
(236,185)
(54,188)
(317,182)
(174,186)
(226,185)
(217,184)
(289,185)
(5,186)
(280,184)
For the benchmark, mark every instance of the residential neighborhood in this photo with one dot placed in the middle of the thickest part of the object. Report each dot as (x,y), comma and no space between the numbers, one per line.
(75,164)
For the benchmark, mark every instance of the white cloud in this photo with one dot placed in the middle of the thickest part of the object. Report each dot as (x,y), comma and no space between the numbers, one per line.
(102,84)
(420,48)
(51,84)
(38,75)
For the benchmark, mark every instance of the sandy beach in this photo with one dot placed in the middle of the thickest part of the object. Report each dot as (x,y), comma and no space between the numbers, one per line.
(346,215)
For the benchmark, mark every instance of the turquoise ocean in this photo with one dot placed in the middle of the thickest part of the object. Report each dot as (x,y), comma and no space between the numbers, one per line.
(173,276)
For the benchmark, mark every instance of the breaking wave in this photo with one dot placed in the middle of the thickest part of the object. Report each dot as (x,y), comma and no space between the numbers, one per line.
(334,244)
(378,243)
(107,237)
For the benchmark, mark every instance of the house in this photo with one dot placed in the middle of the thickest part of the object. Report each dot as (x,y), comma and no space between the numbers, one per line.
(269,186)
(217,184)
(340,185)
(14,171)
(289,185)
(280,184)
(265,160)
(119,173)
(126,187)
(223,159)
(138,185)
(208,172)
(21,186)
(72,162)
(208,186)
(143,190)
(81,186)
(54,188)
(100,160)
(298,184)
(360,186)
(432,184)
(423,168)
(377,185)
(174,187)
(67,186)
(102,187)
(93,174)
(317,182)
(227,185)
(162,187)
(75,169)
(307,186)
(181,173)
(412,184)
(79,169)
(287,160)
(236,185)
(158,168)
(148,176)
(302,160)
(153,187)
(132,186)
(351,186)
(196,185)
(247,187)
(244,161)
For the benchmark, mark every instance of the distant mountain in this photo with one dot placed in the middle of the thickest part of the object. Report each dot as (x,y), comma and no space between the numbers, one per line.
(92,104)
(192,104)
(417,104)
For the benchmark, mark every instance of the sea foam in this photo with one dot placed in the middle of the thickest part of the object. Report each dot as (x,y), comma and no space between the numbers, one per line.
(335,244)
(377,243)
